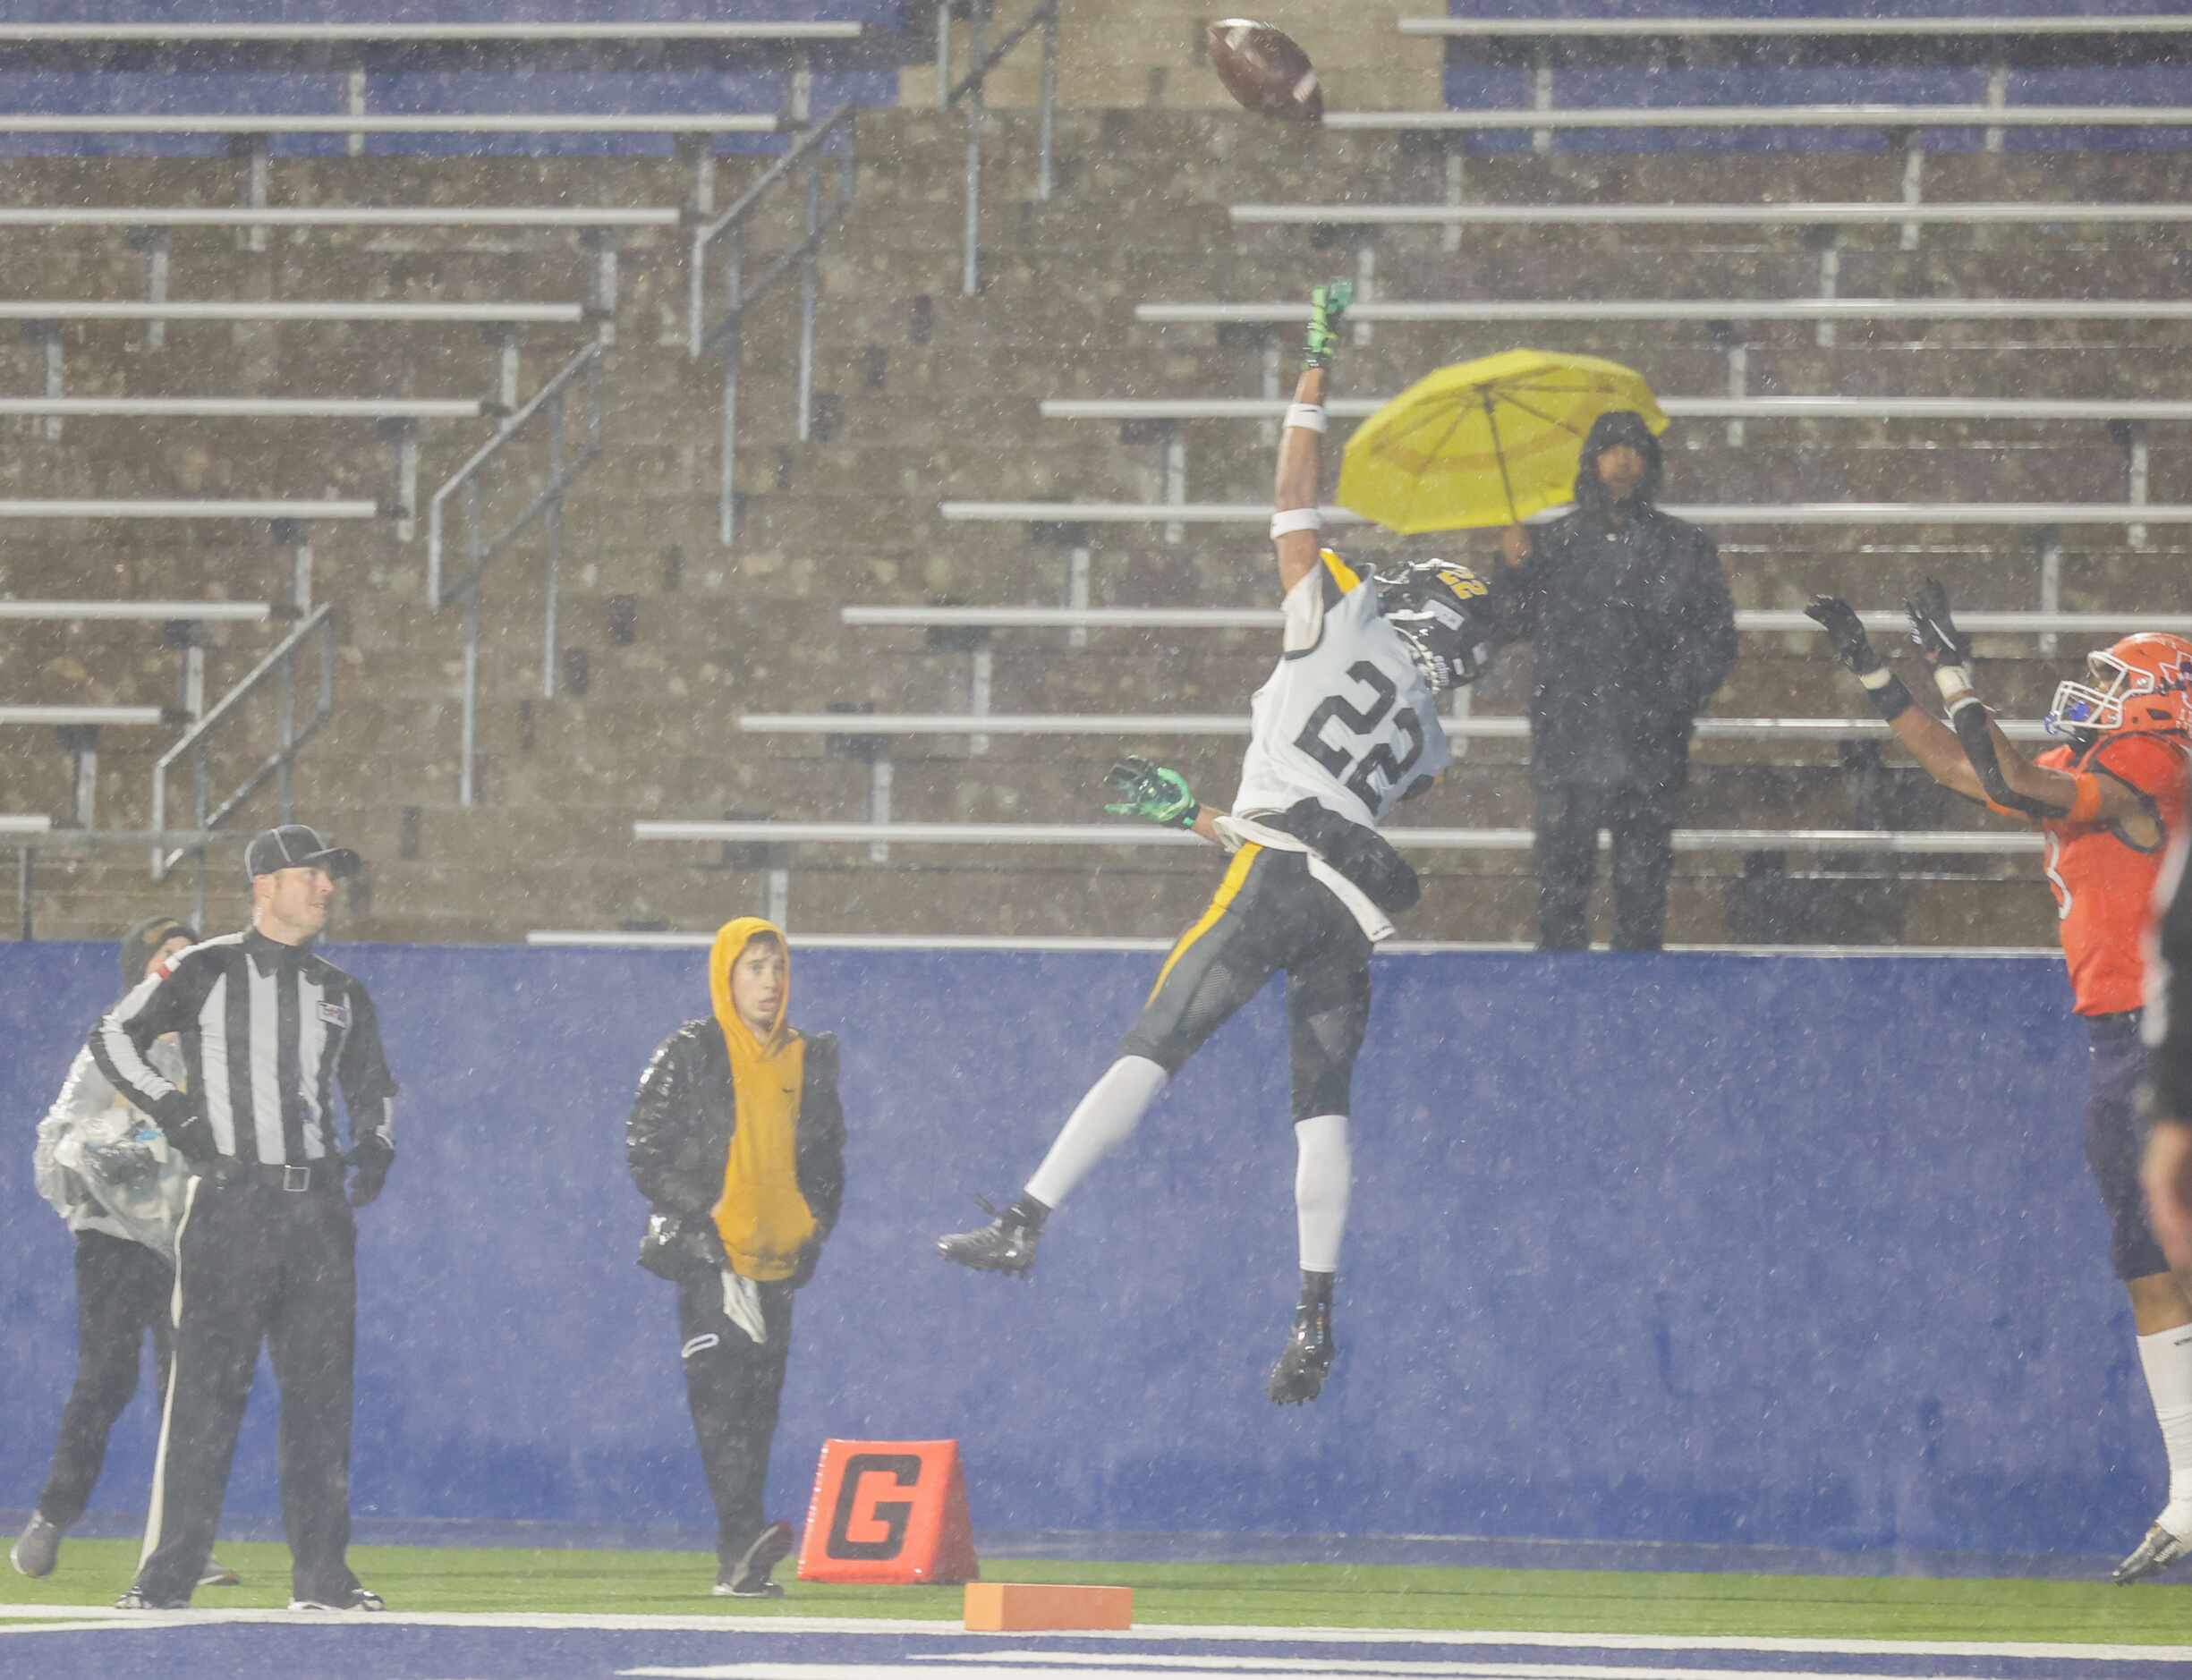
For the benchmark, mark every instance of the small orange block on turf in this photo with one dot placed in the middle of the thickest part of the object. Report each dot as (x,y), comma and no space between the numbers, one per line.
(1006,1607)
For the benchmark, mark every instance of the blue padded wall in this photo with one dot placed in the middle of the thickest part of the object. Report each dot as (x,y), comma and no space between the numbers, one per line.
(1683,1248)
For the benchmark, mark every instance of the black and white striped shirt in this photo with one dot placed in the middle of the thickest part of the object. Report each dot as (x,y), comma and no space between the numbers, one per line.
(267,1030)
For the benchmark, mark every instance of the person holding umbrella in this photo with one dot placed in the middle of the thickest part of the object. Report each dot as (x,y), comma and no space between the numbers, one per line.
(1625,606)
(1632,631)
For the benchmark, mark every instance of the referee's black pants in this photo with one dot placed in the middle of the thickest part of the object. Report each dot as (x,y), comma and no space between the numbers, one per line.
(123,1289)
(733,1388)
(257,1263)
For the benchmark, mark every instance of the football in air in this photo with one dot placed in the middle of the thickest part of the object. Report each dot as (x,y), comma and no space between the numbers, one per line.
(1266,70)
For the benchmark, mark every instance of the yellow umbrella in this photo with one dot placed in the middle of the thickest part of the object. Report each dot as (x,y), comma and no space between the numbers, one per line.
(1487,442)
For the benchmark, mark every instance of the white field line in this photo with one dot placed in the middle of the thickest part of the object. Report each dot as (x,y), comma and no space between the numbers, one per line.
(1290,1666)
(103,1616)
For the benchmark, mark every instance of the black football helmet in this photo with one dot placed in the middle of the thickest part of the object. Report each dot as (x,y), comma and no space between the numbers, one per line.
(1436,605)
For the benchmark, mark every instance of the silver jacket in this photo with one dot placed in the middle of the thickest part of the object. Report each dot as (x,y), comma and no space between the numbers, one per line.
(103,1165)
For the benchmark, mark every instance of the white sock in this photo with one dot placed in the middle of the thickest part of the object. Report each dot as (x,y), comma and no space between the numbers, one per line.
(1321,1179)
(2166,1356)
(1105,1119)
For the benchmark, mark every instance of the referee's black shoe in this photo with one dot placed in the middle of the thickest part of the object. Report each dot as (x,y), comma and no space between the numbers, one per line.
(1299,1374)
(1005,1244)
(356,1599)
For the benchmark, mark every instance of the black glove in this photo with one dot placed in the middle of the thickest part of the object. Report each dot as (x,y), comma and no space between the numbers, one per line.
(1933,630)
(369,1165)
(1845,631)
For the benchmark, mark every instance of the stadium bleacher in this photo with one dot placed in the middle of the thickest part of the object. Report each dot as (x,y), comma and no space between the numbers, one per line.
(2010,420)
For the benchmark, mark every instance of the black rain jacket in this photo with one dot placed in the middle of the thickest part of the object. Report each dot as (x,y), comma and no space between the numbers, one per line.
(1632,631)
(679,1136)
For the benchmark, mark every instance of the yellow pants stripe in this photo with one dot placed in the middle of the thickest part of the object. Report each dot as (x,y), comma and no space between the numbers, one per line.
(1228,890)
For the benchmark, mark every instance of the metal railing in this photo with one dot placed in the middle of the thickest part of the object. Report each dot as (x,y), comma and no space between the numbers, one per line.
(567,459)
(208,811)
(806,159)
(969,90)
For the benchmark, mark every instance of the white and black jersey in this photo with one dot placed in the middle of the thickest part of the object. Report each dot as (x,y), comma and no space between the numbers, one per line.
(267,1031)
(1346,718)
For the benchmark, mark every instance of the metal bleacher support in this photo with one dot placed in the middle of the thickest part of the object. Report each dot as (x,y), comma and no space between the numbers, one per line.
(777,835)
(968,629)
(1791,513)
(76,728)
(1973,842)
(967,91)
(209,810)
(2128,418)
(569,451)
(821,213)
(45,317)
(1141,726)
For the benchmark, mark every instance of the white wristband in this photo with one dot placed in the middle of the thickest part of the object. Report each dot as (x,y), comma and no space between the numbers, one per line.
(1295,519)
(1878,677)
(1964,698)
(1306,417)
(1953,682)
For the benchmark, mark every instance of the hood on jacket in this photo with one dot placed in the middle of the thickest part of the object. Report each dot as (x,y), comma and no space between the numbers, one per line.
(141,940)
(1618,426)
(732,938)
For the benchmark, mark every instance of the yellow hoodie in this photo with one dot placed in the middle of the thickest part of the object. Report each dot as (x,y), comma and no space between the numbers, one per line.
(764,1218)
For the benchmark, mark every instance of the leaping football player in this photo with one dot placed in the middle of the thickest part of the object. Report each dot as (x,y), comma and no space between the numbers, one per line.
(1345,728)
(2110,801)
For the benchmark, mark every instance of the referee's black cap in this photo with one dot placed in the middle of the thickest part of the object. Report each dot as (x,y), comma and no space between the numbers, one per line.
(294,846)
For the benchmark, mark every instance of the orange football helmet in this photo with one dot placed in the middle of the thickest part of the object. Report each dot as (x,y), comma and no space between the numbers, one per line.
(2142,685)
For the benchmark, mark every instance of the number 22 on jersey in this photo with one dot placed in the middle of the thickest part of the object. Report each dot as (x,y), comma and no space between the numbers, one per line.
(1362,756)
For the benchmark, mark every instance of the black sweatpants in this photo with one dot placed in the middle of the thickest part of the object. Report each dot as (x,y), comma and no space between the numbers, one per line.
(123,1289)
(1269,915)
(1641,822)
(258,1264)
(733,1388)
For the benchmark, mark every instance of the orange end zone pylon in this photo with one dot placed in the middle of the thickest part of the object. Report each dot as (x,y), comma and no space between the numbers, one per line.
(1010,1606)
(892,1513)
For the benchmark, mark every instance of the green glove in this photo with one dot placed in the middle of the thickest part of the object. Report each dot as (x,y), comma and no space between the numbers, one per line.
(1327,305)
(1149,791)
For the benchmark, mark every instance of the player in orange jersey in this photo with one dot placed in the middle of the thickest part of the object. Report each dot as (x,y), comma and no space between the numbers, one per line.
(2110,801)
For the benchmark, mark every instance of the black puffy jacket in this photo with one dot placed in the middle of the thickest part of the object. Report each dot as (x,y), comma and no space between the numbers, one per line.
(679,1136)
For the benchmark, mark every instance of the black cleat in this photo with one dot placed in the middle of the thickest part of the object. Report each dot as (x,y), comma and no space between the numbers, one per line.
(1005,1244)
(2158,1551)
(1299,1374)
(748,1577)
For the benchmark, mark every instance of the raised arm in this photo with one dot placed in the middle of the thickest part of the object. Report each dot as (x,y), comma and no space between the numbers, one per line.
(1930,741)
(1298,487)
(2008,780)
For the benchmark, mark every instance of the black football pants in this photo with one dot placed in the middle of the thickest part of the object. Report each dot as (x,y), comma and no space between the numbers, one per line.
(123,1289)
(1270,914)
(258,1264)
(733,1388)
(1641,822)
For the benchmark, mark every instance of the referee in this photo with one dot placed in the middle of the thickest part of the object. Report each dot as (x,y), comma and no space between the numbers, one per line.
(266,1249)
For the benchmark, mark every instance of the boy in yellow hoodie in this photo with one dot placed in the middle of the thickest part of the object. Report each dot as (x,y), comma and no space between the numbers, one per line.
(736,1138)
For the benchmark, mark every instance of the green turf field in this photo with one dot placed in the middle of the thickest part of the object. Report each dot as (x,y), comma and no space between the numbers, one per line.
(1269,1595)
